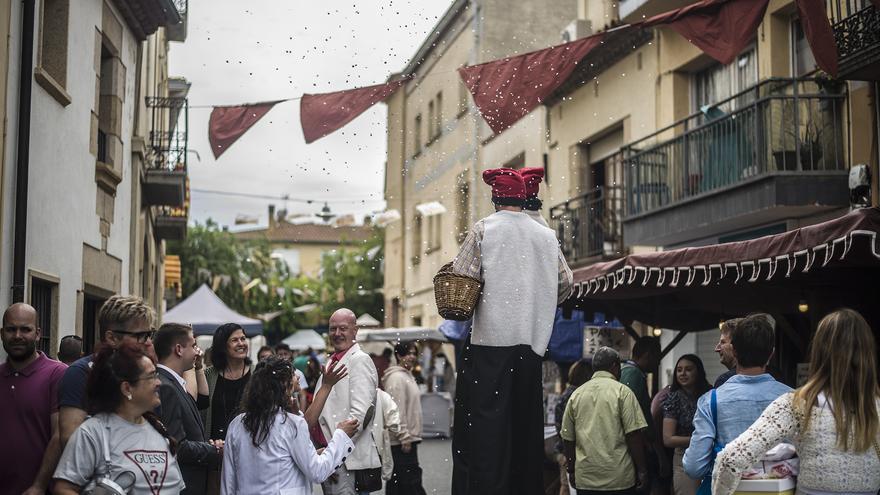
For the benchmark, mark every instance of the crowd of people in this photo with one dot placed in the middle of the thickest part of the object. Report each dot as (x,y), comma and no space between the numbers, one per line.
(149,412)
(710,436)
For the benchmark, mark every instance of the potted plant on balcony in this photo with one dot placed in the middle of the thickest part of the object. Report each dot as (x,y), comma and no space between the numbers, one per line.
(811,147)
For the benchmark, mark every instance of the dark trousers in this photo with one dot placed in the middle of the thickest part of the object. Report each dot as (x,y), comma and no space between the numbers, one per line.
(407,477)
(498,436)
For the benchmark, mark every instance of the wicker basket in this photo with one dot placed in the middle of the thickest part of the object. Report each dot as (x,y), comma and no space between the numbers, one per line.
(456,295)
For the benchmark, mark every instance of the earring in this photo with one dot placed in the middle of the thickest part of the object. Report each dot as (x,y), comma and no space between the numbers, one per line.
(128,396)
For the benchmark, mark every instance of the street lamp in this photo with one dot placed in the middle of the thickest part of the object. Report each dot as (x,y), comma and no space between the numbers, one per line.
(325,214)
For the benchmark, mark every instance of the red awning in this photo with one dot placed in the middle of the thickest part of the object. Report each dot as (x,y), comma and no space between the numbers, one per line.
(829,265)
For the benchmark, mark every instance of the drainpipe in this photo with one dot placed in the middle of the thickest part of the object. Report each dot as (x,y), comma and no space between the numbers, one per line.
(19,245)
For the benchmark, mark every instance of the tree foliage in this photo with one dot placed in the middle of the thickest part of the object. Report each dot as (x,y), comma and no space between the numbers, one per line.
(245,275)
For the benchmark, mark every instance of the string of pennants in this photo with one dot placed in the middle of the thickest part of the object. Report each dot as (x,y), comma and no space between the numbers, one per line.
(507,89)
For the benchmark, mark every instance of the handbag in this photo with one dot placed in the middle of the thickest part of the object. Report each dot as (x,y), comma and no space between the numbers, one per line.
(368,480)
(706,483)
(101,483)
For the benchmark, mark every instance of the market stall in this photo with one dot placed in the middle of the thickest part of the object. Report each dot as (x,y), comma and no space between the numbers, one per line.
(436,406)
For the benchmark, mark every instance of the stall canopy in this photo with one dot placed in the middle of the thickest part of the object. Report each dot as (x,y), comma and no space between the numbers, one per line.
(205,312)
(825,266)
(304,339)
(405,334)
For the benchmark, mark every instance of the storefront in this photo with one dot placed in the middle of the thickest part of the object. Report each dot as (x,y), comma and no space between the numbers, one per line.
(796,276)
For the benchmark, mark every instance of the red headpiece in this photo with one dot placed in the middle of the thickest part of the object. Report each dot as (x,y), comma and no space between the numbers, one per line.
(532,176)
(508,187)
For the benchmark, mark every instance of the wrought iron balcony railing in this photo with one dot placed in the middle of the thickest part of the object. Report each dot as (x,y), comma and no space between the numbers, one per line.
(857,33)
(778,125)
(589,225)
(168,136)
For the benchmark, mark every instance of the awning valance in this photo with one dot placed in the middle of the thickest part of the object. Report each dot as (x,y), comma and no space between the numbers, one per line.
(431,208)
(836,262)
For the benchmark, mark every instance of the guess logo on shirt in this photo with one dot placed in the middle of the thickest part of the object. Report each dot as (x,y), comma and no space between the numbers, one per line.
(153,464)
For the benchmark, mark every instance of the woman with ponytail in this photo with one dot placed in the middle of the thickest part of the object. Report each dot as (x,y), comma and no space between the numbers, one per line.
(268,448)
(123,447)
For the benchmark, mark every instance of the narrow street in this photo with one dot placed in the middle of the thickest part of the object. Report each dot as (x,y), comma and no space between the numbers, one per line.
(435,456)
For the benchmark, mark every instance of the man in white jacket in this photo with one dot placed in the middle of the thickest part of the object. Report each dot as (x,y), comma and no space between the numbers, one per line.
(497,444)
(354,397)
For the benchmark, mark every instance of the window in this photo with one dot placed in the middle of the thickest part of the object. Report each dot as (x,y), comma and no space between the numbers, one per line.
(51,69)
(463,98)
(431,122)
(463,201)
(719,82)
(104,110)
(43,295)
(438,109)
(417,239)
(517,162)
(435,232)
(417,134)
(802,58)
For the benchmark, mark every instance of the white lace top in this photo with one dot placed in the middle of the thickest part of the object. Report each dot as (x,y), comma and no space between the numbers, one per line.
(823,466)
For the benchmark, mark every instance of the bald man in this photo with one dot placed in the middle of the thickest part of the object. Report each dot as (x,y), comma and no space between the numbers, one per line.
(354,397)
(28,405)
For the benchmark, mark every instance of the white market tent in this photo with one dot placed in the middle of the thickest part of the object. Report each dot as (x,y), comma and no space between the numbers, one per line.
(204,311)
(303,339)
(405,334)
(366,320)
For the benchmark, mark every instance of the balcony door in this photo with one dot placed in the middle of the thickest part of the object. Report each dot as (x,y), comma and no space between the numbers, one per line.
(718,83)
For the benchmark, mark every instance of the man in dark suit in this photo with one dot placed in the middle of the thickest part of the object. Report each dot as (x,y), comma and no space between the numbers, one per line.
(177,352)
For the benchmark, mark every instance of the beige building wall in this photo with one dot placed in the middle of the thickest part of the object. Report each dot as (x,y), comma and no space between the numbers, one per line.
(433,158)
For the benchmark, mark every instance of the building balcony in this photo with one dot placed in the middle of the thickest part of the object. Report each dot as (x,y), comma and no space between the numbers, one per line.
(589,226)
(856,26)
(774,151)
(171,222)
(164,178)
(177,32)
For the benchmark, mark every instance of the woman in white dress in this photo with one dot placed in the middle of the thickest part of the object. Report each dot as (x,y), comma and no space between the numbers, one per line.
(833,420)
(268,449)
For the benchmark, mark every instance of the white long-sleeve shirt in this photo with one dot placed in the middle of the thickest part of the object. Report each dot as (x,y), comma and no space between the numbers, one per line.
(285,463)
(824,467)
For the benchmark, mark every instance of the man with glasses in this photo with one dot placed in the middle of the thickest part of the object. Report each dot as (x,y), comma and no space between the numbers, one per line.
(28,406)
(121,319)
(70,349)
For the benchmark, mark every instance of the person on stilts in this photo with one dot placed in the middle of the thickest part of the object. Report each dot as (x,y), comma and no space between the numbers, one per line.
(497,443)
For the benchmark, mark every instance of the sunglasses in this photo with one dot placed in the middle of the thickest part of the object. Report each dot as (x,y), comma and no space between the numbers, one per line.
(142,336)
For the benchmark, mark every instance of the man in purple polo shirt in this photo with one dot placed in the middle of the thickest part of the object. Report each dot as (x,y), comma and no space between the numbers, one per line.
(28,406)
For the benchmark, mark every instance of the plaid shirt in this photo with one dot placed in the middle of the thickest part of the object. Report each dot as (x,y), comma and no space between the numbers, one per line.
(470,262)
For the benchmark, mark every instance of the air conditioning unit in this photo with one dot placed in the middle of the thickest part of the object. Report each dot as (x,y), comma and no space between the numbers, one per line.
(577,29)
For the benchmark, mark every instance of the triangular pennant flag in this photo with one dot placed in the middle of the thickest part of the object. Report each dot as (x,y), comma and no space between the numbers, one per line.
(322,114)
(507,90)
(817,29)
(227,124)
(721,28)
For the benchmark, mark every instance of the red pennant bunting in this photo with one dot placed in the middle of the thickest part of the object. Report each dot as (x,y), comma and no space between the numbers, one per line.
(817,29)
(325,113)
(507,90)
(721,28)
(227,124)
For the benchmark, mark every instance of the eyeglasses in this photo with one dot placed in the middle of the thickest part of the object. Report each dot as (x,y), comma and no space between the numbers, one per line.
(149,376)
(142,336)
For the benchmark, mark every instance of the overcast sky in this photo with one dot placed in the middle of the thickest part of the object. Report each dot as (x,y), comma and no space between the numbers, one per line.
(262,50)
